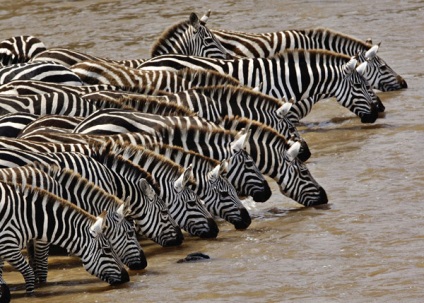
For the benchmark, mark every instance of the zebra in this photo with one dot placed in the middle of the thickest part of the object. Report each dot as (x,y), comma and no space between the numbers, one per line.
(12,124)
(190,37)
(72,187)
(42,71)
(59,103)
(265,45)
(241,172)
(271,151)
(68,57)
(19,49)
(29,213)
(217,193)
(121,178)
(296,75)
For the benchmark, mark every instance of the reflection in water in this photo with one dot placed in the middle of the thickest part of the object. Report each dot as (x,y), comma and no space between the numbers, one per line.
(364,246)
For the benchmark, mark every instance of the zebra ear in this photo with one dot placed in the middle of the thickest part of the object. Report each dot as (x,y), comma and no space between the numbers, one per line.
(223,167)
(368,41)
(181,182)
(147,189)
(372,52)
(121,211)
(350,66)
(241,140)
(293,151)
(96,228)
(284,109)
(215,172)
(205,17)
(194,21)
(362,68)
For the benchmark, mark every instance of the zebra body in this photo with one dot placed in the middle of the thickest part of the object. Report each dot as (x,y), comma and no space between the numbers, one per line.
(218,194)
(121,178)
(51,103)
(293,75)
(272,153)
(28,213)
(266,45)
(190,37)
(41,71)
(19,49)
(12,124)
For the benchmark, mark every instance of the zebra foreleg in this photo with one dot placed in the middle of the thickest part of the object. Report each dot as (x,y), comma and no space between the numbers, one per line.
(41,254)
(17,260)
(4,289)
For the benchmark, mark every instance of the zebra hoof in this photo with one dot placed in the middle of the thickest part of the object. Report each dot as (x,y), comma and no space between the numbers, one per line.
(4,293)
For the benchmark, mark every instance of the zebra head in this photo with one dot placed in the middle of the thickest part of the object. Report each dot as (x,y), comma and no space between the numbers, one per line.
(222,199)
(99,259)
(243,173)
(379,74)
(187,209)
(153,219)
(295,180)
(355,93)
(191,38)
(122,236)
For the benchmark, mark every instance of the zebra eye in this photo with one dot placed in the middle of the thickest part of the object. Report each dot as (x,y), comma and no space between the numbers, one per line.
(383,67)
(191,203)
(107,249)
(131,234)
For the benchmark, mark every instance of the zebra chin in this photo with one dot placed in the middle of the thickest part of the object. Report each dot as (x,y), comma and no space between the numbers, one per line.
(263,195)
(243,222)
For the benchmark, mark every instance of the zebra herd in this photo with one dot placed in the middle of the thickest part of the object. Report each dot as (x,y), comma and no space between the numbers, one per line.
(96,153)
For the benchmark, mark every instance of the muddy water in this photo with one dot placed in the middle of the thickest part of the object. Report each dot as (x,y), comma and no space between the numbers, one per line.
(365,246)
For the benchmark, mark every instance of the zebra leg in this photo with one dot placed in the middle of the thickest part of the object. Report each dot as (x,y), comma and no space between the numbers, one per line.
(41,254)
(17,260)
(4,289)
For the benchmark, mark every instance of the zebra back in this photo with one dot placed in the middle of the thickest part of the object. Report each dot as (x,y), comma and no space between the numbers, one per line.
(57,103)
(11,124)
(41,71)
(51,122)
(190,37)
(59,222)
(19,49)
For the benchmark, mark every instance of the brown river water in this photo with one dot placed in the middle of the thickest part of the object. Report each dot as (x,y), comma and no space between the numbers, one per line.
(366,245)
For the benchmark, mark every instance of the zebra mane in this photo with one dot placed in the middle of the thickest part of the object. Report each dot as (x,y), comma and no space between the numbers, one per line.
(214,77)
(167,33)
(339,57)
(110,151)
(135,151)
(51,198)
(241,91)
(329,32)
(154,106)
(177,149)
(237,123)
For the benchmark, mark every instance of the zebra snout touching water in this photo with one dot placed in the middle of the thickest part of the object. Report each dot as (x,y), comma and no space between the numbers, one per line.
(29,213)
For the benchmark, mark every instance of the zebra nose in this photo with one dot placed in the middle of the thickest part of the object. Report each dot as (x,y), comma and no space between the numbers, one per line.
(177,240)
(304,153)
(213,230)
(323,199)
(264,195)
(124,278)
(4,293)
(402,82)
(142,264)
(245,219)
(370,117)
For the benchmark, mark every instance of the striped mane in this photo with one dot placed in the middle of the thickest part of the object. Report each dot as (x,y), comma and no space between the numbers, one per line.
(314,54)
(338,35)
(214,77)
(51,198)
(168,33)
(150,157)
